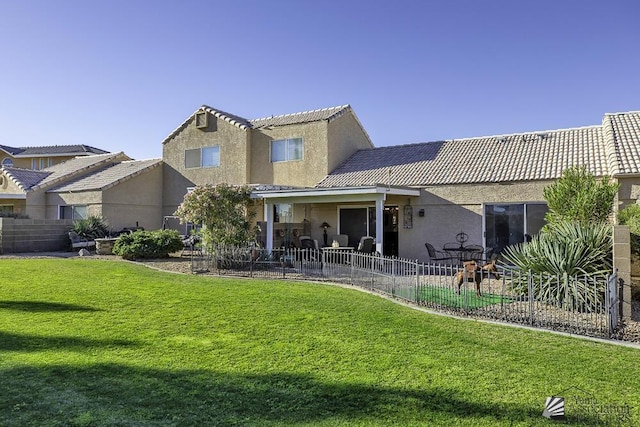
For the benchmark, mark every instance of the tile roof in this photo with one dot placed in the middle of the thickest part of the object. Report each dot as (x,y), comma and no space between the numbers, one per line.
(53,150)
(11,150)
(77,166)
(25,178)
(502,158)
(108,176)
(328,114)
(622,131)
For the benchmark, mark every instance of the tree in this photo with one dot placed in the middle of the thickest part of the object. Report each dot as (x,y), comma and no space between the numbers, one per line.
(224,211)
(578,196)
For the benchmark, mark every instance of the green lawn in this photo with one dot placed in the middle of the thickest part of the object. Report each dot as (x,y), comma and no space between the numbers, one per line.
(95,343)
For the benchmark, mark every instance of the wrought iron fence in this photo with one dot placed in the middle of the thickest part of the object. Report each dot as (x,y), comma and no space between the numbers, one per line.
(585,305)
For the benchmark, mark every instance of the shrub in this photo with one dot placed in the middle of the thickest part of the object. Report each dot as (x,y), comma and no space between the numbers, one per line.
(148,244)
(91,228)
(578,196)
(224,211)
(630,216)
(565,254)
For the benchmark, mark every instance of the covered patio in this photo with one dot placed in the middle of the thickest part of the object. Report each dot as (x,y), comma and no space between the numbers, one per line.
(374,197)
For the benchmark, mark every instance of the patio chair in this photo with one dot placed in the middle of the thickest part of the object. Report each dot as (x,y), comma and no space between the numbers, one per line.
(77,241)
(436,255)
(309,248)
(474,252)
(366,245)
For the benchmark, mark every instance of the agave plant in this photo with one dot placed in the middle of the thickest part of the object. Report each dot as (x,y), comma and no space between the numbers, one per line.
(568,261)
(91,227)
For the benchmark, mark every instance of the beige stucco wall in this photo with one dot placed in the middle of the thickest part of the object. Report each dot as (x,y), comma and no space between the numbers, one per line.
(93,200)
(303,173)
(449,210)
(629,191)
(25,163)
(8,190)
(137,201)
(346,136)
(234,154)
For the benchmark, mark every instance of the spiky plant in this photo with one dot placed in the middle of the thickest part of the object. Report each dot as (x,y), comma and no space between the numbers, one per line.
(568,262)
(91,227)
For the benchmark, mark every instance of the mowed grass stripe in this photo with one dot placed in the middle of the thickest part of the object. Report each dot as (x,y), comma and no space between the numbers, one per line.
(92,342)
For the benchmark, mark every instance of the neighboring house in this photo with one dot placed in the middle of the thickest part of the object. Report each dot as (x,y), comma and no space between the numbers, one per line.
(125,192)
(38,158)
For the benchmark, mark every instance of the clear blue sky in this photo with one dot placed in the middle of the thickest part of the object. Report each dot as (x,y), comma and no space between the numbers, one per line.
(122,75)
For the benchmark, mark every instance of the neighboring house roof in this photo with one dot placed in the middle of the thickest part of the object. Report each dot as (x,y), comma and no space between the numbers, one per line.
(24,178)
(10,150)
(31,179)
(52,150)
(107,177)
(502,158)
(327,114)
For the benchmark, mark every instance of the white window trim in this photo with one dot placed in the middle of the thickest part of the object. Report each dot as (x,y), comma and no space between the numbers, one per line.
(201,163)
(286,151)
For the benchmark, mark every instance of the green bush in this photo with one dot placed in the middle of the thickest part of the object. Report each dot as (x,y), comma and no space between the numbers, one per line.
(630,216)
(91,228)
(564,255)
(148,244)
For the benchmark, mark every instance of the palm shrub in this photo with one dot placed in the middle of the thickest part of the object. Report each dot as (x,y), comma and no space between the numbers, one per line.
(568,261)
(148,244)
(92,227)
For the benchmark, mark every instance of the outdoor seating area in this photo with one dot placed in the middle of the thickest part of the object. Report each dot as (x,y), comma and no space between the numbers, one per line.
(79,242)
(459,252)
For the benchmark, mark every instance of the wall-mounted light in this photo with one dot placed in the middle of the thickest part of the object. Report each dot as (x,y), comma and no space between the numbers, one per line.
(421,212)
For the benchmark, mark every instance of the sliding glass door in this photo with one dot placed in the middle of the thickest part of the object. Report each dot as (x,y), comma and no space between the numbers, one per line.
(508,224)
(357,222)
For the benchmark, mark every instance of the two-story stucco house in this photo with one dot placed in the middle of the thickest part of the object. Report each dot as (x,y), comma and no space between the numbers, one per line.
(293,150)
(319,167)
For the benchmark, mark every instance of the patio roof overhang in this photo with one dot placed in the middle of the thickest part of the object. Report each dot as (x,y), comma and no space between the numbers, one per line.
(21,196)
(371,193)
(333,194)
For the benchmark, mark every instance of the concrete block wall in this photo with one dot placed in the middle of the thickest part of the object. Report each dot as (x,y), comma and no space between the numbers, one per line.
(34,235)
(622,263)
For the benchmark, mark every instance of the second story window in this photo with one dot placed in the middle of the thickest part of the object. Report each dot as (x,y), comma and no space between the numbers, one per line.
(205,157)
(8,162)
(284,150)
(41,163)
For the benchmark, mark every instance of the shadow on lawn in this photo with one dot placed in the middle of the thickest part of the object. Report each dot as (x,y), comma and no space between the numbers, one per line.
(43,306)
(111,394)
(23,342)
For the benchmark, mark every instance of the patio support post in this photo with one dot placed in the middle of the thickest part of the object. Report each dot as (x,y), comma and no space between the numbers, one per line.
(379,222)
(268,215)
